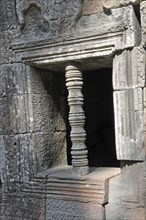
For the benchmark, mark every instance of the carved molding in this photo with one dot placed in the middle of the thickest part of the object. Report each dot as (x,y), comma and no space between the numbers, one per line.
(128,81)
(86,188)
(79,46)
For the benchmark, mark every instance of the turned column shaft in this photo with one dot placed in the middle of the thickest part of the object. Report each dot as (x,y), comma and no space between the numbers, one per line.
(74,83)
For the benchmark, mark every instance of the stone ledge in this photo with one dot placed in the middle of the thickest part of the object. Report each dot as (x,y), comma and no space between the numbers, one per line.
(62,183)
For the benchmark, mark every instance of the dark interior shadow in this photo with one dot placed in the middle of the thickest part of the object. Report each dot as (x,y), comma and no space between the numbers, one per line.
(99,112)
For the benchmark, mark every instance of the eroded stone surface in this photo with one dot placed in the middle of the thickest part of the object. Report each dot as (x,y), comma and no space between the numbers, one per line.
(7,15)
(6,38)
(61,209)
(127,193)
(32,105)
(143,21)
(29,101)
(28,154)
(132,73)
(129,124)
(118,20)
(20,79)
(95,36)
(144,95)
(98,6)
(42,18)
(27,206)
(47,150)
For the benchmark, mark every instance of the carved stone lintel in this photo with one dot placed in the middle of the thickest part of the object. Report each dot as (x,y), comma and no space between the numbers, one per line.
(74,84)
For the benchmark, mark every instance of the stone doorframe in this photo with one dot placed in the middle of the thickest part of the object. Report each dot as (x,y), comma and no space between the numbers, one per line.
(72,56)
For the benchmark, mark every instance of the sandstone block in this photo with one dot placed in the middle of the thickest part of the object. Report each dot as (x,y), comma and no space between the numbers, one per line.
(35,113)
(127,193)
(10,169)
(129,124)
(144,91)
(25,206)
(108,4)
(18,78)
(143,21)
(2,158)
(47,150)
(23,156)
(14,115)
(114,212)
(129,69)
(44,113)
(61,209)
(46,18)
(119,20)
(6,38)
(7,15)
(4,116)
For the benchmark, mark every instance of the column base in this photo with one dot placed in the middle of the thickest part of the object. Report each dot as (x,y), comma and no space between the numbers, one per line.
(81,170)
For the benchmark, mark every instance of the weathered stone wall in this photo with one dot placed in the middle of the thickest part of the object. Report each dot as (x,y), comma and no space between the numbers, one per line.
(32,129)
(40,19)
(32,105)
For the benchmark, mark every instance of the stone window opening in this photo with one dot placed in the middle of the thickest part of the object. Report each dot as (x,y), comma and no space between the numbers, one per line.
(99,119)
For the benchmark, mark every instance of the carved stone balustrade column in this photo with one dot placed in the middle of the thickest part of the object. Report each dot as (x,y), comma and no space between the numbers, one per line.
(74,83)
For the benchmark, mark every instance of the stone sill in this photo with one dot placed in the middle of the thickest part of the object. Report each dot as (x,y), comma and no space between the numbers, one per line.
(62,183)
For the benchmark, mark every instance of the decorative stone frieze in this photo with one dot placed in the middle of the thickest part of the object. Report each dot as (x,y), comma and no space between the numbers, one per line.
(128,107)
(74,83)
